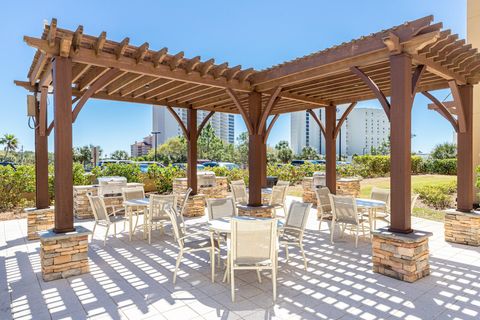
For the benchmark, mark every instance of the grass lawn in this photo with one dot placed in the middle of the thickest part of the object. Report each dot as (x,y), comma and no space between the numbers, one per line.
(417,181)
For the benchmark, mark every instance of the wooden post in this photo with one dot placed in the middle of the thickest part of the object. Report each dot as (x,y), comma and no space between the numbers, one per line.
(465,176)
(192,150)
(255,143)
(330,148)
(400,140)
(42,199)
(263,161)
(62,97)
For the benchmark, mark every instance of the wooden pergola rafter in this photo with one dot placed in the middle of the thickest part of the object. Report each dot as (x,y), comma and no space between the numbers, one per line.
(391,65)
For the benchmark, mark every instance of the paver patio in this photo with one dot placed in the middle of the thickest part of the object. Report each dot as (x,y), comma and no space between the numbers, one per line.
(132,280)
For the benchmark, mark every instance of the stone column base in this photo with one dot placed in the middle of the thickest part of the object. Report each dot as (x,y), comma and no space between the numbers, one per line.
(195,206)
(401,256)
(65,254)
(263,211)
(462,227)
(348,187)
(39,220)
(308,191)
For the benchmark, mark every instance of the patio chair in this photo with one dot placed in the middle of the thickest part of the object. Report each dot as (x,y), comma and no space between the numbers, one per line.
(240,182)
(292,231)
(381,214)
(239,192)
(196,244)
(283,183)
(157,212)
(345,212)
(277,200)
(134,194)
(324,207)
(102,217)
(221,208)
(253,246)
(181,209)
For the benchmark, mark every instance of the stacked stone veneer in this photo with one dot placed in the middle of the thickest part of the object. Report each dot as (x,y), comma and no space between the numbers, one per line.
(81,206)
(345,187)
(64,255)
(462,227)
(401,256)
(220,190)
(264,211)
(195,206)
(39,220)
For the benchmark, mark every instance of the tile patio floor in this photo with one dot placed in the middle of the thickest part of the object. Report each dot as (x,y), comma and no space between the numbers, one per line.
(132,280)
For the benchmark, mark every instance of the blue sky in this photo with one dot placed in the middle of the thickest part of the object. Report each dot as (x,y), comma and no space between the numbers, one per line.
(252,33)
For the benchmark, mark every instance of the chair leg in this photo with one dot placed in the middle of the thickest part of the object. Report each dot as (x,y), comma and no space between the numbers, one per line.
(177,264)
(212,262)
(93,231)
(286,252)
(363,231)
(274,280)
(320,222)
(356,236)
(259,276)
(303,255)
(149,227)
(343,230)
(106,235)
(115,230)
(232,282)
(332,231)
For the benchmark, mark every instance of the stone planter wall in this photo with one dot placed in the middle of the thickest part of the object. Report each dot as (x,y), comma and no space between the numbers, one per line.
(64,255)
(264,211)
(220,190)
(81,206)
(345,187)
(401,256)
(195,206)
(39,220)
(463,228)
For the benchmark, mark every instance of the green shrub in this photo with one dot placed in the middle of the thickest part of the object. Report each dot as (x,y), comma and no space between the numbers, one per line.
(440,166)
(293,174)
(438,196)
(130,171)
(163,176)
(14,184)
(232,175)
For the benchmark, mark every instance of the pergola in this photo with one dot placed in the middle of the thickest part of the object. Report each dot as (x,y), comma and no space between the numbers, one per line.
(417,56)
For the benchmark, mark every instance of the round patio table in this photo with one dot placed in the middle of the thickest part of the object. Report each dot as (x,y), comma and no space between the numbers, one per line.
(371,206)
(135,203)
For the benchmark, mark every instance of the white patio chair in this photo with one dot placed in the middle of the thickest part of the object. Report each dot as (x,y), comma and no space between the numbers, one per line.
(324,207)
(277,200)
(253,246)
(157,212)
(240,182)
(283,183)
(181,209)
(102,217)
(381,214)
(133,193)
(345,212)
(294,228)
(186,245)
(221,208)
(239,192)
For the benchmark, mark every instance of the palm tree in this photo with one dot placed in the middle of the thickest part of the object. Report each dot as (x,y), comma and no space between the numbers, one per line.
(10,142)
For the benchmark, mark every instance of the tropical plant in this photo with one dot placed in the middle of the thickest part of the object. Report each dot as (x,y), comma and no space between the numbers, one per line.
(308,153)
(119,155)
(445,150)
(284,153)
(10,143)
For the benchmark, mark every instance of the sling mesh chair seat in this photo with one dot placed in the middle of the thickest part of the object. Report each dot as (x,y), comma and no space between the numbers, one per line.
(294,228)
(253,246)
(220,208)
(324,207)
(277,201)
(190,243)
(134,193)
(102,217)
(345,213)
(239,191)
(157,212)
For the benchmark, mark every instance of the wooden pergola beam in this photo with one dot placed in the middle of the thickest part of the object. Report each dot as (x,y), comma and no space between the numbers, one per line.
(180,122)
(320,124)
(274,98)
(442,110)
(204,122)
(459,106)
(241,109)
(343,118)
(270,127)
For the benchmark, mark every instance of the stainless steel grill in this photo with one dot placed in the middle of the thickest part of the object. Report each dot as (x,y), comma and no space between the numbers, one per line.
(111,186)
(206,179)
(319,179)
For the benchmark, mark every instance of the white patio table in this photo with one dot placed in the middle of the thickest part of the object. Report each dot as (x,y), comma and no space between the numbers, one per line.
(135,203)
(371,206)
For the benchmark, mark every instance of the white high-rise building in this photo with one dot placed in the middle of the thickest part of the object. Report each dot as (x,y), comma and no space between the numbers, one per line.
(364,127)
(165,123)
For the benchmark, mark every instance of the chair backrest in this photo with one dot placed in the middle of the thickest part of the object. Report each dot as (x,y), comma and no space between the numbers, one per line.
(184,202)
(297,218)
(178,229)
(381,194)
(133,193)
(283,183)
(278,195)
(323,200)
(220,208)
(239,193)
(240,182)
(98,207)
(344,209)
(159,204)
(413,199)
(253,240)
